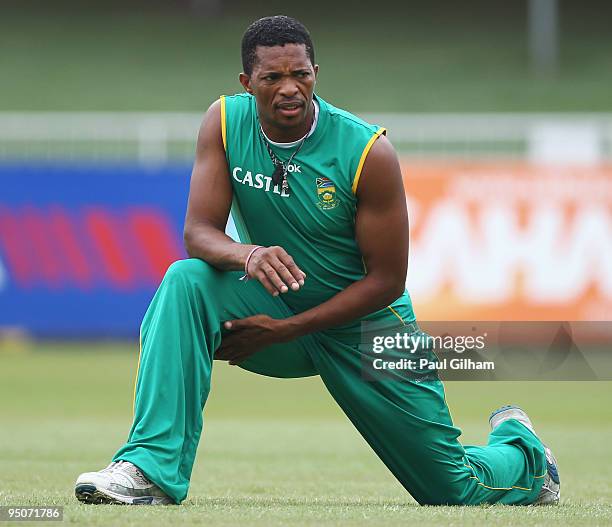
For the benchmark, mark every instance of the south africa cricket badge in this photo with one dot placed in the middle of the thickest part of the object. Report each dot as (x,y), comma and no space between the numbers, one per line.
(326,193)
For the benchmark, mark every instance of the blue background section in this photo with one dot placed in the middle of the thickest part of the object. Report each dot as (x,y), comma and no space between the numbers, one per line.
(101,311)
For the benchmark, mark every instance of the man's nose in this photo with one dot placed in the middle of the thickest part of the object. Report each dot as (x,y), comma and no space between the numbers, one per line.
(288,87)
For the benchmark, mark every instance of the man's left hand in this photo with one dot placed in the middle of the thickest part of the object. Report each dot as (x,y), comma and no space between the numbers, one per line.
(247,336)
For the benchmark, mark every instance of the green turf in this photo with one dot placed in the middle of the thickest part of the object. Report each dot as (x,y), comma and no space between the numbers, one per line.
(405,57)
(274,452)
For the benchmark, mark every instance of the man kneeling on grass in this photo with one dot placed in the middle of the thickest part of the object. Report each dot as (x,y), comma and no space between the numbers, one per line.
(318,201)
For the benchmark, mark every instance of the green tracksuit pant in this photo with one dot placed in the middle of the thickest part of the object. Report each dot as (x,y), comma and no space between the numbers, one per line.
(407,423)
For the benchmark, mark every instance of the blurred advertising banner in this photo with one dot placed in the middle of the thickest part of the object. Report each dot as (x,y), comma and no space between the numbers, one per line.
(510,241)
(83,248)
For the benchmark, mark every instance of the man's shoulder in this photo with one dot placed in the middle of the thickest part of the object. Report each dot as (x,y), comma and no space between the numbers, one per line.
(237,110)
(346,119)
(238,97)
(238,103)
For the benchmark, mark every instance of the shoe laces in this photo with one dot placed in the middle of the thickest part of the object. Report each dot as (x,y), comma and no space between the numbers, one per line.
(110,467)
(132,470)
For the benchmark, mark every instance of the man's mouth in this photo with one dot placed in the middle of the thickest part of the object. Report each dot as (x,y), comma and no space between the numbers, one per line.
(290,109)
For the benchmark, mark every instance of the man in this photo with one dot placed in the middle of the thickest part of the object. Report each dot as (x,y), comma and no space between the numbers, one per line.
(318,201)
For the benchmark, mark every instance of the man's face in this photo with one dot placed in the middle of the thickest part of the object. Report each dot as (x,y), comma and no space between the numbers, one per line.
(282,81)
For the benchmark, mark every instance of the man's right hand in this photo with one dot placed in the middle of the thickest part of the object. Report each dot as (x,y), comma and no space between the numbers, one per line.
(210,200)
(276,270)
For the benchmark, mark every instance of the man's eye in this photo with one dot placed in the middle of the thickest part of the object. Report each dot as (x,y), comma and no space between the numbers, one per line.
(302,74)
(269,77)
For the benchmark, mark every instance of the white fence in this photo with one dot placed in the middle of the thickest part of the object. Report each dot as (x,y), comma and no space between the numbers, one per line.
(154,138)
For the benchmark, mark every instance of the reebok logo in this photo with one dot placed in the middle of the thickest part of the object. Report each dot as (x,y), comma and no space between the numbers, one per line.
(297,169)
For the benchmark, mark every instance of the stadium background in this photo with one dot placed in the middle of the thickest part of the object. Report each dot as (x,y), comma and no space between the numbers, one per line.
(506,158)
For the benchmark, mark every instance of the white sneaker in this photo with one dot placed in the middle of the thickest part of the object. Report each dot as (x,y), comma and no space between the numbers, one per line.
(551,489)
(120,483)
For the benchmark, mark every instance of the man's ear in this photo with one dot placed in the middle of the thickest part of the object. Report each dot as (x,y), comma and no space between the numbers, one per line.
(245,80)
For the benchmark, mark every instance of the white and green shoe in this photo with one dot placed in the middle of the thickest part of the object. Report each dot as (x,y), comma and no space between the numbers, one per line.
(121,483)
(551,489)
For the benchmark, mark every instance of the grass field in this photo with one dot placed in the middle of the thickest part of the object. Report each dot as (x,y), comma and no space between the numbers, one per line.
(274,452)
(406,56)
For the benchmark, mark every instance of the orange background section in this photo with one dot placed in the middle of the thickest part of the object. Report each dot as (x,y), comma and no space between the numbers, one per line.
(568,209)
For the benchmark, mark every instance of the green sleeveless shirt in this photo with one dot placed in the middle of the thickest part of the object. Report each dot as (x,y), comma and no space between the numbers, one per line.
(315,223)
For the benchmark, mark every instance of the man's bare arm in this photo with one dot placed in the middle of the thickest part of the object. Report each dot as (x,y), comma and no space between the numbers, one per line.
(381,229)
(382,234)
(210,199)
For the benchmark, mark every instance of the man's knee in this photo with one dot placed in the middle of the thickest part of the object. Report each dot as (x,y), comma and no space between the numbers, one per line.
(189,270)
(438,482)
(184,288)
(445,491)
(444,498)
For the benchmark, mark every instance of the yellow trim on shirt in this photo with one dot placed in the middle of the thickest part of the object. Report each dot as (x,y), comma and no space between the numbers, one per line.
(223,125)
(364,154)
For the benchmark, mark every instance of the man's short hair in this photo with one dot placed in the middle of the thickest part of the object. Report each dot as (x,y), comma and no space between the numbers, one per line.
(273,31)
